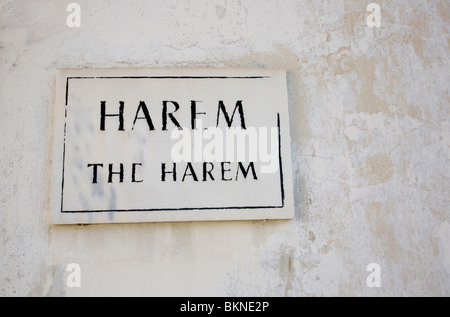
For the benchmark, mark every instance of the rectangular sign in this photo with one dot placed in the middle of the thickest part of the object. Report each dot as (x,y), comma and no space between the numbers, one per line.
(144,145)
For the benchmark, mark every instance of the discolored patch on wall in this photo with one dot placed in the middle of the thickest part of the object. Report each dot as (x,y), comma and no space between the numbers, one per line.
(378,169)
(384,232)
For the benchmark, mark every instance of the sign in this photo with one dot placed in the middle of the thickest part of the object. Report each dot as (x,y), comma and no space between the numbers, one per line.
(144,145)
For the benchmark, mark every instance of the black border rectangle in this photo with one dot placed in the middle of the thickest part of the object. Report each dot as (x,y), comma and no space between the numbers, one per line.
(167,209)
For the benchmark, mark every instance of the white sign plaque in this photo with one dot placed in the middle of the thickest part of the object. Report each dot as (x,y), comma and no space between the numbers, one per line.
(147,145)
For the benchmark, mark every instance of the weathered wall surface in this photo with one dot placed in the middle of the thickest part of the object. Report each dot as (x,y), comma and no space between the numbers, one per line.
(370,128)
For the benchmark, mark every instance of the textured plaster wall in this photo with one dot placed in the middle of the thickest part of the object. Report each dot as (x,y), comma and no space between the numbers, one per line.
(369,114)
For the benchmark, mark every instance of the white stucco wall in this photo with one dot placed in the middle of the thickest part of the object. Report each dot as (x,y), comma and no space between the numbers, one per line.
(370,128)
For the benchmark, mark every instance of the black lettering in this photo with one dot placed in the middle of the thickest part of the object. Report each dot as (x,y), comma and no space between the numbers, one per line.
(133,173)
(207,172)
(194,113)
(224,170)
(111,173)
(245,171)
(164,172)
(94,177)
(103,115)
(146,116)
(229,121)
(170,115)
(192,172)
